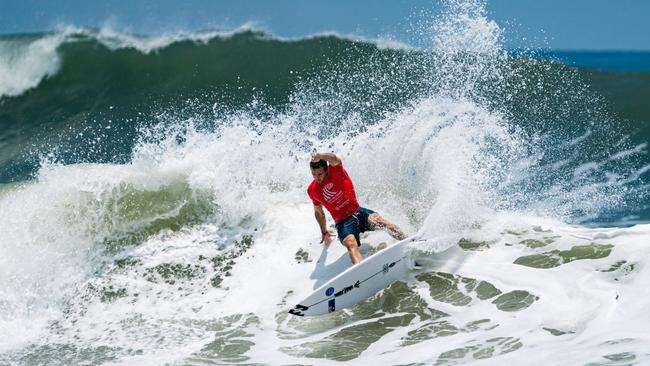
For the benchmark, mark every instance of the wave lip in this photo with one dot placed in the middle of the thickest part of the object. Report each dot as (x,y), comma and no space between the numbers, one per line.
(24,64)
(146,44)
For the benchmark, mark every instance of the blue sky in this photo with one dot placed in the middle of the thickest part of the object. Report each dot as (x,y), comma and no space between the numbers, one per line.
(557,24)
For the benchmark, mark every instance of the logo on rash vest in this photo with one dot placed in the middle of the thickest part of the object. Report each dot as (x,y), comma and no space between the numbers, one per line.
(328,194)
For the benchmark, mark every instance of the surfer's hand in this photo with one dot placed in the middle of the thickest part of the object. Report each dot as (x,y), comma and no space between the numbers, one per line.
(315,157)
(326,239)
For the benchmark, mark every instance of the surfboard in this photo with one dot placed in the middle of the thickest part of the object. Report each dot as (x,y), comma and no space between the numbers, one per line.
(358,282)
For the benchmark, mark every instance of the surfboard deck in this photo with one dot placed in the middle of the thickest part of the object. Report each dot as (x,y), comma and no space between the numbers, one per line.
(358,282)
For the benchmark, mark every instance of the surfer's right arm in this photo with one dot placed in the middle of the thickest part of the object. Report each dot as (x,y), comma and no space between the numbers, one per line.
(331,158)
(326,237)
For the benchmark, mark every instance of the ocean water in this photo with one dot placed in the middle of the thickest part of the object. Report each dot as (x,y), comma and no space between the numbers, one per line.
(153,206)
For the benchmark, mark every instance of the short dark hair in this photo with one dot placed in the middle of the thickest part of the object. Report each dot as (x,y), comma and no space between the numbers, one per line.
(318,164)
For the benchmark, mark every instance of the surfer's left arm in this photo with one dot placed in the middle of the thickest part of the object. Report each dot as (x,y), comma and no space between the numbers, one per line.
(326,237)
(331,158)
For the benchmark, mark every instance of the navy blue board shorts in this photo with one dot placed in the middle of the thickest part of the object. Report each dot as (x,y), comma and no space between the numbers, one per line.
(355,224)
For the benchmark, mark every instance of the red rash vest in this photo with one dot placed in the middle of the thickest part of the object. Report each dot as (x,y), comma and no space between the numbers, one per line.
(336,193)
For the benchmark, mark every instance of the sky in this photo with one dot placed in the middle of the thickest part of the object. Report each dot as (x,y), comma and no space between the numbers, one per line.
(554,24)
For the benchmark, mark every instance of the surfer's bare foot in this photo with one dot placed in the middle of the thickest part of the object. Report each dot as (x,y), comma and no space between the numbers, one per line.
(378,222)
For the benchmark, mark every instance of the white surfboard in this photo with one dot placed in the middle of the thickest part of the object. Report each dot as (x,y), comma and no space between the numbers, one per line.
(358,282)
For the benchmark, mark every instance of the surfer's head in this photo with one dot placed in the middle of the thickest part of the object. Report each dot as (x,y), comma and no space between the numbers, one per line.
(318,170)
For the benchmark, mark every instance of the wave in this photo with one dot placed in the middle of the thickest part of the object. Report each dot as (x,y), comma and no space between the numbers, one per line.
(27,60)
(111,95)
(121,86)
(163,214)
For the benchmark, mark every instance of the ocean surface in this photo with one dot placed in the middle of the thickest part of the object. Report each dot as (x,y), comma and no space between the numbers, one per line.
(153,206)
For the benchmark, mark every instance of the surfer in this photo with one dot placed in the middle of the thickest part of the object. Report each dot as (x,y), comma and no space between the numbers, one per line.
(332,188)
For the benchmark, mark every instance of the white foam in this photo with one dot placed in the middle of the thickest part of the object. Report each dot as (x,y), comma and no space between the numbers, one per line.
(258,179)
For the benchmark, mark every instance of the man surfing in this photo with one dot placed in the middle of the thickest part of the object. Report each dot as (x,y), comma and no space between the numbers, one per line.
(332,188)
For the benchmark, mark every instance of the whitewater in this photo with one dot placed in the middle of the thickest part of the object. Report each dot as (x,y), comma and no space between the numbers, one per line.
(193,250)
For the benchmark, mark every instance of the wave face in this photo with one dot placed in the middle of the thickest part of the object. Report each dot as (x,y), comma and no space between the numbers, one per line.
(153,207)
